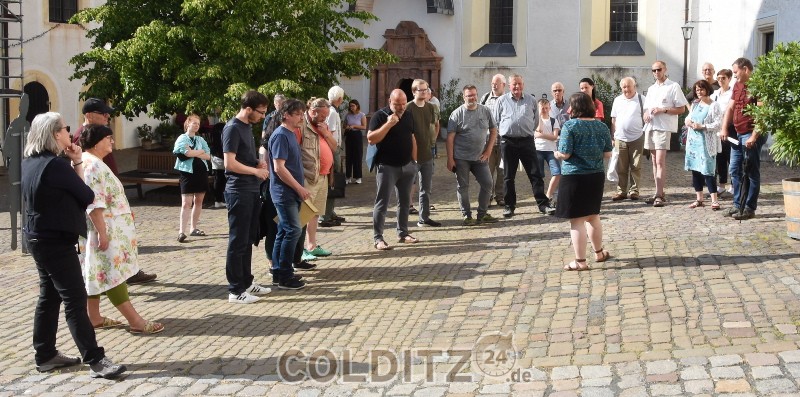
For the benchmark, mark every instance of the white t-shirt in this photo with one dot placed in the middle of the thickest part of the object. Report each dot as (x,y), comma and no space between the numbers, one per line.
(665,95)
(335,125)
(628,116)
(722,98)
(547,145)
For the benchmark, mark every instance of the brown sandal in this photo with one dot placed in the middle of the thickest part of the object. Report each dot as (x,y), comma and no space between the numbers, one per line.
(408,239)
(381,245)
(696,203)
(577,265)
(604,255)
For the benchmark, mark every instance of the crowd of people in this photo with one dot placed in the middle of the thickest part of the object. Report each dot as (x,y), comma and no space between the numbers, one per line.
(278,191)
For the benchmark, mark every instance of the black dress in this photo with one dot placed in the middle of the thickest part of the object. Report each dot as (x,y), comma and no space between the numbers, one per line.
(197,180)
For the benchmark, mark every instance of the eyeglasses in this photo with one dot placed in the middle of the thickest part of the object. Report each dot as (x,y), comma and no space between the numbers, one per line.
(263,112)
(656,70)
(558,90)
(422,90)
(708,70)
(110,138)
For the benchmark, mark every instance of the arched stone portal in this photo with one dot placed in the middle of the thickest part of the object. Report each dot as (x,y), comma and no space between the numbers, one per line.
(417,60)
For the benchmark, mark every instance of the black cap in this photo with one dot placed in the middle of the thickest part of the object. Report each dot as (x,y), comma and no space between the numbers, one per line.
(92,134)
(96,105)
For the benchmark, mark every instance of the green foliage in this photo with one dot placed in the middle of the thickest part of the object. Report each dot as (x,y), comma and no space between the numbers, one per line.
(198,56)
(450,98)
(145,132)
(167,131)
(776,83)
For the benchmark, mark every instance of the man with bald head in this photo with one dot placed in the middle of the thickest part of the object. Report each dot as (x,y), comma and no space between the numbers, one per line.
(709,74)
(627,121)
(391,129)
(489,100)
(559,105)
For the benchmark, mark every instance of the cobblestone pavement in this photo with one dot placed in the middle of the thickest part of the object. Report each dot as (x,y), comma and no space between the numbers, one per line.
(691,304)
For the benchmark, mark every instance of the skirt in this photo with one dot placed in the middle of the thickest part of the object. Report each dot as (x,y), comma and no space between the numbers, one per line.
(580,195)
(195,181)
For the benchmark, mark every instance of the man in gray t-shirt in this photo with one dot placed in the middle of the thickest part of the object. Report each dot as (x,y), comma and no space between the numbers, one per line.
(468,151)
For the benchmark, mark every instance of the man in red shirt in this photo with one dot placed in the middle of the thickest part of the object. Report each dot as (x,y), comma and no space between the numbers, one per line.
(750,142)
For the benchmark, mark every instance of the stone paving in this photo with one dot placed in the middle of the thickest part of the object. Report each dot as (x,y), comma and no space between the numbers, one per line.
(691,304)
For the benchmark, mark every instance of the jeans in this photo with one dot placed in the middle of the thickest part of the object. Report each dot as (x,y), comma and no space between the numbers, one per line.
(425,180)
(498,190)
(513,151)
(286,239)
(354,152)
(401,179)
(330,201)
(61,280)
(481,171)
(243,208)
(753,171)
(629,165)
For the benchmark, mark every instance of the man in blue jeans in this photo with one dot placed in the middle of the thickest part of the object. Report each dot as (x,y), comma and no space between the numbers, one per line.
(244,174)
(750,142)
(287,190)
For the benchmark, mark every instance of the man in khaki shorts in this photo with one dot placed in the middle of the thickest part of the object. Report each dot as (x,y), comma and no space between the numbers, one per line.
(664,102)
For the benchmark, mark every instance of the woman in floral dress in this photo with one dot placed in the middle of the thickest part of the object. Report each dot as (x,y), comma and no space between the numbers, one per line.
(703,144)
(110,253)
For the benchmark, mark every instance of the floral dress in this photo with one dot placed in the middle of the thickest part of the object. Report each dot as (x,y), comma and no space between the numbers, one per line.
(104,270)
(702,146)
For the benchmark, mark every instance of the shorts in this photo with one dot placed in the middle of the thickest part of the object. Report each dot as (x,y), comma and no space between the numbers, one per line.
(319,192)
(657,139)
(549,157)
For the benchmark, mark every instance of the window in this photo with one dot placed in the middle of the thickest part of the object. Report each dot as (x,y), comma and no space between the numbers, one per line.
(501,21)
(62,10)
(764,35)
(769,41)
(440,7)
(624,18)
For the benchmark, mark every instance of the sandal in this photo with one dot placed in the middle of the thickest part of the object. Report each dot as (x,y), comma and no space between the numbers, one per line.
(408,239)
(197,232)
(698,203)
(149,328)
(577,265)
(715,205)
(658,201)
(381,245)
(604,255)
(412,210)
(107,323)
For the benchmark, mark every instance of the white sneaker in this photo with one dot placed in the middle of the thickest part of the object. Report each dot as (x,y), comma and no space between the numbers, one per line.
(256,289)
(358,181)
(220,204)
(243,298)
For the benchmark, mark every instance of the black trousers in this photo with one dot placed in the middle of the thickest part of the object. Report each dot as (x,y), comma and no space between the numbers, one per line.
(354,152)
(61,280)
(514,151)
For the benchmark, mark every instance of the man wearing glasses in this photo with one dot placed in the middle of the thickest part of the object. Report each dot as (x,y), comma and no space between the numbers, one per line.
(708,73)
(96,111)
(664,102)
(559,106)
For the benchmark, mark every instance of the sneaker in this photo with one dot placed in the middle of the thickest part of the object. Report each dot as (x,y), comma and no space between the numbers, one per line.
(255,289)
(319,251)
(730,212)
(468,221)
(486,218)
(220,204)
(429,222)
(59,361)
(744,215)
(303,265)
(350,181)
(547,209)
(307,256)
(105,368)
(276,281)
(243,298)
(141,278)
(358,181)
(329,223)
(508,211)
(291,284)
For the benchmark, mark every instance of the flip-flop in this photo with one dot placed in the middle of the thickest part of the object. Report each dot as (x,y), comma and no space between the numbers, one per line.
(408,239)
(381,245)
(150,328)
(107,323)
(197,232)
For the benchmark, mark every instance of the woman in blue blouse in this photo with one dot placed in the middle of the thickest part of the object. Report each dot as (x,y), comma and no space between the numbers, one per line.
(193,155)
(583,144)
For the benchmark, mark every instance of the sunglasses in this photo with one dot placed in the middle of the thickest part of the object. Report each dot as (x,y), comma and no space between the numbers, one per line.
(656,70)
(558,90)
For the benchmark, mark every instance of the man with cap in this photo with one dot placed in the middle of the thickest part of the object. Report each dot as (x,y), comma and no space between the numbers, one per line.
(96,111)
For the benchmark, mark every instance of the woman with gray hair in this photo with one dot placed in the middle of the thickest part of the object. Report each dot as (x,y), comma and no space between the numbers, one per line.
(55,199)
(110,251)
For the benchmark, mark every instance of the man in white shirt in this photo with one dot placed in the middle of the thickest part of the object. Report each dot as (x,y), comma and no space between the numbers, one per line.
(489,99)
(627,115)
(664,102)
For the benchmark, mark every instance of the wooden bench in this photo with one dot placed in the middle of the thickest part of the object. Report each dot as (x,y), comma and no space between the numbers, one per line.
(152,168)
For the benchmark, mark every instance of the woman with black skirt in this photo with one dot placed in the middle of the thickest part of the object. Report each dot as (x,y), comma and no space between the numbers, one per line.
(193,155)
(583,144)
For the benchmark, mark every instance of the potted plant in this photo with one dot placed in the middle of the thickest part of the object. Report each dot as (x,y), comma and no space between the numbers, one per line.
(169,132)
(145,133)
(776,83)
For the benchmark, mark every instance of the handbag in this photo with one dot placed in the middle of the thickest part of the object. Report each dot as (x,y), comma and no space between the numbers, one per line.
(372,153)
(612,175)
(336,190)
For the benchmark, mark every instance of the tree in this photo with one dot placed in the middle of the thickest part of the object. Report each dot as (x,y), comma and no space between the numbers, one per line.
(165,56)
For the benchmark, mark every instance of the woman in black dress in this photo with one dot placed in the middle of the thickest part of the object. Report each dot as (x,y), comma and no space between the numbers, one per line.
(193,155)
